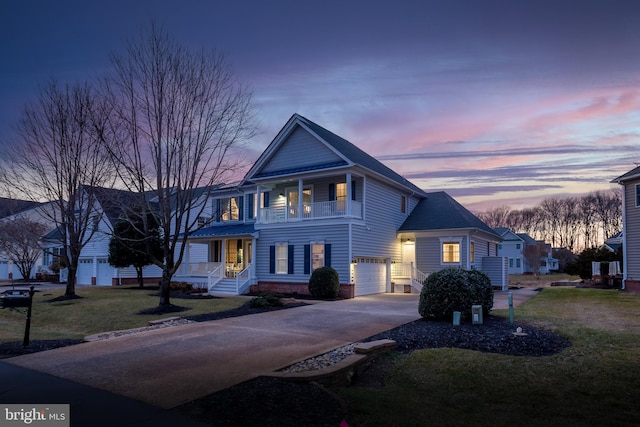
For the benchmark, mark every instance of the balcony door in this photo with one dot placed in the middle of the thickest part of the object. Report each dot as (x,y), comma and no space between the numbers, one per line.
(293,200)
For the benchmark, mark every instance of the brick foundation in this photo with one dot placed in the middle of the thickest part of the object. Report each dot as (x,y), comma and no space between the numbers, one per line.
(346,290)
(134,281)
(632,286)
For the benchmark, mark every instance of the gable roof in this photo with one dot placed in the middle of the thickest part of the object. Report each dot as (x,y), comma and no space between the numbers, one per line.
(632,174)
(349,154)
(527,239)
(507,234)
(439,211)
(13,206)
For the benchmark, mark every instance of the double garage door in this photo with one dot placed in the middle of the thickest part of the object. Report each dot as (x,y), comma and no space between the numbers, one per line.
(369,276)
(104,272)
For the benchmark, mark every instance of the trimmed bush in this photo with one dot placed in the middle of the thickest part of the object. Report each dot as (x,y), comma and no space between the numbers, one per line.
(454,289)
(324,283)
(265,300)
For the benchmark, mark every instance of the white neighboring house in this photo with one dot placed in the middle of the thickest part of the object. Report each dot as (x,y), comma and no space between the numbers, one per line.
(512,247)
(93,266)
(10,209)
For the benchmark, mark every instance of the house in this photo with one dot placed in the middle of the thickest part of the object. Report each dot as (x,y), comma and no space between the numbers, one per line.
(93,266)
(314,199)
(311,199)
(11,209)
(630,182)
(513,246)
(613,243)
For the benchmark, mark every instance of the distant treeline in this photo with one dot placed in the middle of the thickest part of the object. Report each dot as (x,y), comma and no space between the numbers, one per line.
(574,223)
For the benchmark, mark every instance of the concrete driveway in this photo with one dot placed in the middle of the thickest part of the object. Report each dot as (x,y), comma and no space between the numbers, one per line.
(171,366)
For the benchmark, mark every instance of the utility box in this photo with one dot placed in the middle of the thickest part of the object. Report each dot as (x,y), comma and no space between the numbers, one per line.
(476,314)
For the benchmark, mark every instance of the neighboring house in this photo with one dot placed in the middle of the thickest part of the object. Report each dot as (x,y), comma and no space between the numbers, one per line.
(512,247)
(11,209)
(93,266)
(630,229)
(613,243)
(314,199)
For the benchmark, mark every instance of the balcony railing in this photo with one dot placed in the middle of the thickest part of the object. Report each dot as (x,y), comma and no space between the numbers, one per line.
(310,211)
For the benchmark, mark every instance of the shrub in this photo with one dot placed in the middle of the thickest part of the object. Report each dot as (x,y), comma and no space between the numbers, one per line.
(324,283)
(265,300)
(181,286)
(454,289)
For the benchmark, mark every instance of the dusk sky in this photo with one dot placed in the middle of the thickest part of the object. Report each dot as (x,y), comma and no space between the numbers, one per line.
(495,102)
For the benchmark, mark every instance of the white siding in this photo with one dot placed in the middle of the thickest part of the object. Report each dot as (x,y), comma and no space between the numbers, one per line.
(294,152)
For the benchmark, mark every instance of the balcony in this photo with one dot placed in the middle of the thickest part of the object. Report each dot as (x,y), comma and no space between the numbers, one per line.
(310,211)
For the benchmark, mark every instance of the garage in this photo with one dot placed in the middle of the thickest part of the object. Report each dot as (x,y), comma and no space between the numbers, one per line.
(105,273)
(369,275)
(85,271)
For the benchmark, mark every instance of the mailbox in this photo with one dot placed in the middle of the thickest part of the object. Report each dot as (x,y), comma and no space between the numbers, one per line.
(14,301)
(476,314)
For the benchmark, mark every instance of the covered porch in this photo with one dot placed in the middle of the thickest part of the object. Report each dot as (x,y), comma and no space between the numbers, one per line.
(220,259)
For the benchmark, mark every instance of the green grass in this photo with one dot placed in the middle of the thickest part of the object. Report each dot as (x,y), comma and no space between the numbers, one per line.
(594,382)
(542,280)
(100,309)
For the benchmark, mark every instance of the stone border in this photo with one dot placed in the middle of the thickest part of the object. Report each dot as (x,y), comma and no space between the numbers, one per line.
(342,372)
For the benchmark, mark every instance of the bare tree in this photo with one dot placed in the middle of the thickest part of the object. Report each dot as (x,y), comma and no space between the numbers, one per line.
(57,153)
(533,255)
(19,242)
(496,217)
(179,115)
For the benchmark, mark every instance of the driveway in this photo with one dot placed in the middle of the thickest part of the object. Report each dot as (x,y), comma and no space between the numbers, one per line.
(171,366)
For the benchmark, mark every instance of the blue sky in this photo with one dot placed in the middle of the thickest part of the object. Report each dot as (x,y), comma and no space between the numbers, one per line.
(496,102)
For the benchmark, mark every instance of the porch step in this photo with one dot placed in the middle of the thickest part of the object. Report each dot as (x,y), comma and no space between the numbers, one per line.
(224,287)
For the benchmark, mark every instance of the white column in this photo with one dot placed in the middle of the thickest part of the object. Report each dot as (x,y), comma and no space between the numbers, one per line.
(254,254)
(349,195)
(223,256)
(300,197)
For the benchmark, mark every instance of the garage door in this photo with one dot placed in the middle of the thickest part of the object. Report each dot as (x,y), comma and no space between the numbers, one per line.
(85,271)
(105,273)
(369,276)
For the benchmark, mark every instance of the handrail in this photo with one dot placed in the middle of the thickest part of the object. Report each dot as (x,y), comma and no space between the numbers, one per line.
(215,276)
(407,270)
(246,272)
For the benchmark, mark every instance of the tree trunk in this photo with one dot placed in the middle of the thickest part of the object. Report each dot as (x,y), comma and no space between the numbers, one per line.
(140,277)
(71,283)
(165,289)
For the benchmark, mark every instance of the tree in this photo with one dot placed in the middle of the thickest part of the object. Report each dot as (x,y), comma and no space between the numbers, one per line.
(129,245)
(19,242)
(56,156)
(533,254)
(178,115)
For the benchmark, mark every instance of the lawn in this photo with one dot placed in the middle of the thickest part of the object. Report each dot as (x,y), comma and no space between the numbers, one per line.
(594,382)
(100,309)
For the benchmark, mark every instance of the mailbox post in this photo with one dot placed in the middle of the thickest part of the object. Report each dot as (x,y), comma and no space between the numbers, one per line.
(20,301)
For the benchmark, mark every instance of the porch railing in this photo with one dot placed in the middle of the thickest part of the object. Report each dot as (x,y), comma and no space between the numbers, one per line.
(197,269)
(215,276)
(243,279)
(310,211)
(407,270)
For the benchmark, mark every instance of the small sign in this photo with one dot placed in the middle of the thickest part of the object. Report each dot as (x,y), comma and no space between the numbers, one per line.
(41,415)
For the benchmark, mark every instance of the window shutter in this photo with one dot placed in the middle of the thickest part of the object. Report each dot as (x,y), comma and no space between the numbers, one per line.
(307,259)
(272,259)
(266,200)
(216,251)
(332,192)
(241,208)
(218,212)
(250,206)
(290,260)
(353,190)
(327,254)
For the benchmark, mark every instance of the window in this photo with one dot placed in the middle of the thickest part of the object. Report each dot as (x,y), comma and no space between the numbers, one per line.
(281,258)
(518,246)
(403,204)
(317,255)
(500,246)
(451,252)
(203,220)
(472,250)
(229,209)
(510,262)
(517,262)
(637,195)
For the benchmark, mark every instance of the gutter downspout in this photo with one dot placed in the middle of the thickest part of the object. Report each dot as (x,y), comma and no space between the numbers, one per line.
(624,237)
